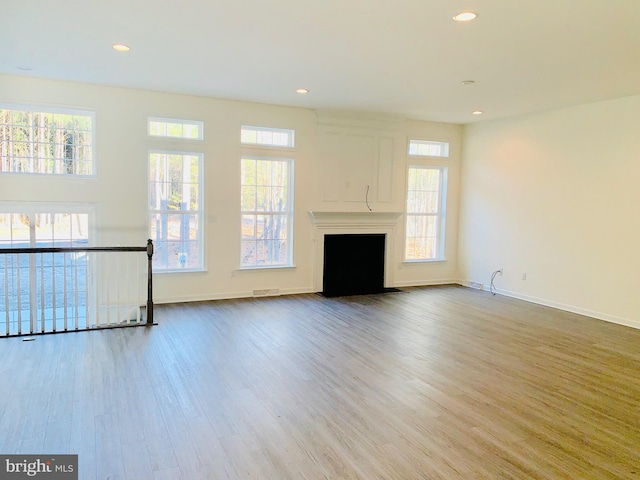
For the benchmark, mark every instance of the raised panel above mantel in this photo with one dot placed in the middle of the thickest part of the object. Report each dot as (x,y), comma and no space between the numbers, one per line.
(355,160)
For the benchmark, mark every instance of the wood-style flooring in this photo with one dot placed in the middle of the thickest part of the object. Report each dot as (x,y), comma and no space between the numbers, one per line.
(434,383)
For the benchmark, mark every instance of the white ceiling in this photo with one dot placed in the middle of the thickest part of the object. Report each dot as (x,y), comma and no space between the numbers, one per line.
(398,57)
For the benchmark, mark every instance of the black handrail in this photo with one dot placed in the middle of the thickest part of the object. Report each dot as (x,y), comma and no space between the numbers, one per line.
(72,249)
(149,249)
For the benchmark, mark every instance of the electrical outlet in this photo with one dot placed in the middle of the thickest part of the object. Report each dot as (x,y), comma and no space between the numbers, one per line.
(524,276)
(501,271)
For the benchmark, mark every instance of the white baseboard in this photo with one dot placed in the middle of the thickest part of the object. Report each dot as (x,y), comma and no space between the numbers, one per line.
(425,283)
(627,322)
(227,296)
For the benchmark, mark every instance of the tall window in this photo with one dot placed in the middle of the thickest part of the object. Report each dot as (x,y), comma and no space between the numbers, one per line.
(267,212)
(175,207)
(426,194)
(45,285)
(57,142)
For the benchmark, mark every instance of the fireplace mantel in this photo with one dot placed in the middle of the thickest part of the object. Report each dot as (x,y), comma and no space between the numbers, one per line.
(362,219)
(332,223)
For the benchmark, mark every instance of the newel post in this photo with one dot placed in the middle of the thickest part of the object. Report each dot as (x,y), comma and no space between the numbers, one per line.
(149,282)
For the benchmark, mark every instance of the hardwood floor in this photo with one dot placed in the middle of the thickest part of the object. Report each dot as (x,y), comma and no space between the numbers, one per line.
(436,383)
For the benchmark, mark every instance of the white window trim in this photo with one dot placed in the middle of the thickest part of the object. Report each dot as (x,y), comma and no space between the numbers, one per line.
(64,111)
(183,121)
(290,216)
(442,215)
(201,226)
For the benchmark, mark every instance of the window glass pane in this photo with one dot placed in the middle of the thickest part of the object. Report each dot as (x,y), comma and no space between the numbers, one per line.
(43,276)
(248,252)
(420,247)
(263,172)
(248,202)
(425,148)
(46,142)
(410,249)
(279,227)
(266,212)
(174,203)
(262,226)
(275,137)
(424,210)
(263,199)
(172,128)
(249,227)
(248,172)
(431,248)
(278,199)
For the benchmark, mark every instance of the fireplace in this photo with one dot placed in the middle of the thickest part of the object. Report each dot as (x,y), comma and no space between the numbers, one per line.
(353,264)
(380,225)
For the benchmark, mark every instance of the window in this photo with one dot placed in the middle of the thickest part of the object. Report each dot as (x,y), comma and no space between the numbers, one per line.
(423,148)
(267,212)
(41,287)
(171,128)
(175,207)
(272,137)
(59,142)
(426,195)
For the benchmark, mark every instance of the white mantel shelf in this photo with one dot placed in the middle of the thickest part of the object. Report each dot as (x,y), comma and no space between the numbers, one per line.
(355,218)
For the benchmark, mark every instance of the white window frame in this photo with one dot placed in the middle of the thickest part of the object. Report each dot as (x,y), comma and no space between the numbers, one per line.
(181,121)
(289,132)
(61,111)
(443,145)
(36,269)
(440,214)
(289,213)
(200,212)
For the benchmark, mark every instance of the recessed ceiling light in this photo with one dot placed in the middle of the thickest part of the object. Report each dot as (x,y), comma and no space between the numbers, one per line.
(120,47)
(465,16)
(477,112)
(468,82)
(302,91)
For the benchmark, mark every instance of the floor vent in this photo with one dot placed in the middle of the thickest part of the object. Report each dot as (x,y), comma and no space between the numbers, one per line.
(477,285)
(266,292)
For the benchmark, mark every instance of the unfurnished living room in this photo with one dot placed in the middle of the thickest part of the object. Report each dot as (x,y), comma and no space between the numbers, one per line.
(319,240)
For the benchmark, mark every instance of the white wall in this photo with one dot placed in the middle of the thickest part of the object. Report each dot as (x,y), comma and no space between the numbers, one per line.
(556,195)
(120,189)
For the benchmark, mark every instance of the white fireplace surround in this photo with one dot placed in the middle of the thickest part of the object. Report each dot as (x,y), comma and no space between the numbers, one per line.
(342,223)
